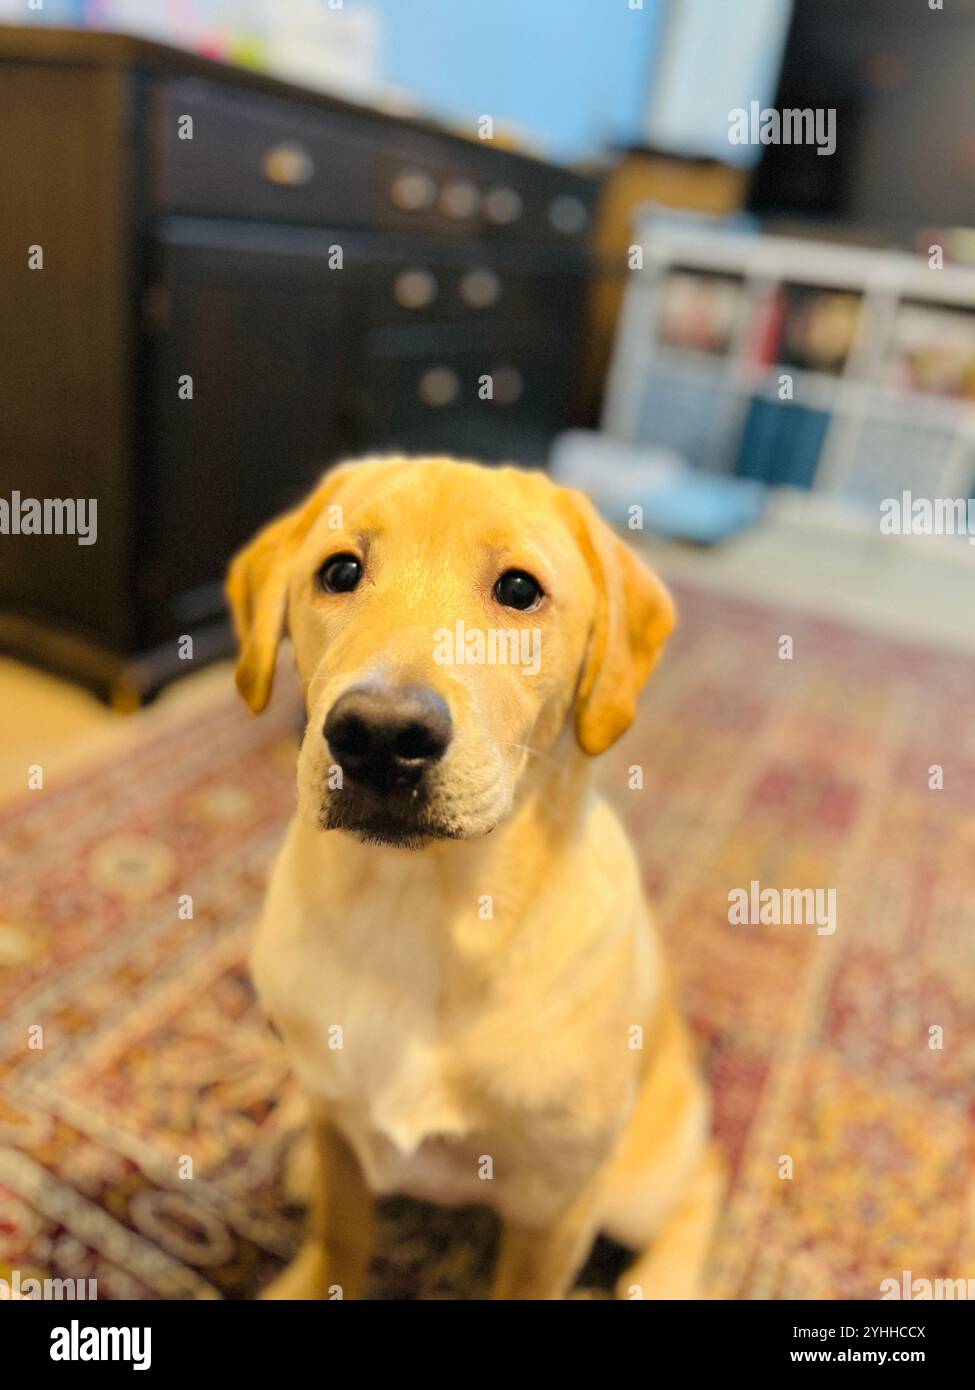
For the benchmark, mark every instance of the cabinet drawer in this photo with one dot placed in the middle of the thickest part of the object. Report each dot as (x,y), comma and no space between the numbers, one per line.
(255,157)
(465,188)
(422,285)
(431,402)
(259,157)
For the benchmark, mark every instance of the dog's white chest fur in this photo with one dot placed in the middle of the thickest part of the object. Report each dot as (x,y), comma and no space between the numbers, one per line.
(459,1069)
(357,992)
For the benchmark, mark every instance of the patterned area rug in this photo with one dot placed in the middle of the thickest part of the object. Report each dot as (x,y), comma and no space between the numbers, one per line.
(807,772)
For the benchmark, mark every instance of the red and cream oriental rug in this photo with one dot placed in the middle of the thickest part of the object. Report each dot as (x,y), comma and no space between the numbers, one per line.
(146,1113)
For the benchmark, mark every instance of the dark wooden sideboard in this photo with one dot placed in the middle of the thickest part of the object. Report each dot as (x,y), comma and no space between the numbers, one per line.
(330,279)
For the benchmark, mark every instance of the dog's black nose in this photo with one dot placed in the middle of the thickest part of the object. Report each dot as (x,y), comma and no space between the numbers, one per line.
(388,737)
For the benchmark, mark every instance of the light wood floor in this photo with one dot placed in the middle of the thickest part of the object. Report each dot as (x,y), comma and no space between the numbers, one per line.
(48,721)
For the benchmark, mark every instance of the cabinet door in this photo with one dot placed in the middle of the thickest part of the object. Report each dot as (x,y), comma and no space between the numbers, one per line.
(249,355)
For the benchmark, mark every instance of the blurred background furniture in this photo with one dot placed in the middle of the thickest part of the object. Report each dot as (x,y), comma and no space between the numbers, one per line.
(798,363)
(642,176)
(242,282)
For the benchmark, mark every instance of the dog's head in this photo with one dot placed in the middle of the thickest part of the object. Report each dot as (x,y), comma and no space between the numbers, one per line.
(448,620)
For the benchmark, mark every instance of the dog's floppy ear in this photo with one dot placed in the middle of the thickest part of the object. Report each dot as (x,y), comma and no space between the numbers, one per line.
(257,591)
(633,619)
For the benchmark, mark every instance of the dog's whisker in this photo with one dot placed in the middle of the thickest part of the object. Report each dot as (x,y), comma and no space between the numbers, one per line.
(535,752)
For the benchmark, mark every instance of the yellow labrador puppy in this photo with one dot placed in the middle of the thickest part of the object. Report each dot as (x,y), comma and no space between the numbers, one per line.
(455,946)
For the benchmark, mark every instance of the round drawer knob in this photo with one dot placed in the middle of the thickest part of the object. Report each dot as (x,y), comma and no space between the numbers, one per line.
(567,214)
(460,199)
(413,190)
(503,206)
(509,385)
(479,289)
(415,289)
(439,386)
(288,166)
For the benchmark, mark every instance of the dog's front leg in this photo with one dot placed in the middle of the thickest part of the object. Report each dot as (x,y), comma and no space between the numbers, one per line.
(334,1260)
(542,1263)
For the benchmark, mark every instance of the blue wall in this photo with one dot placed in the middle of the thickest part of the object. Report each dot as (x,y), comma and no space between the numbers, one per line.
(573,73)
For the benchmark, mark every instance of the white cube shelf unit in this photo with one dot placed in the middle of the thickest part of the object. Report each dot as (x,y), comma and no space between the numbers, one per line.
(843,369)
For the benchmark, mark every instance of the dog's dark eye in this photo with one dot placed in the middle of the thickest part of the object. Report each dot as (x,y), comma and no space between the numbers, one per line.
(516,589)
(340,574)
